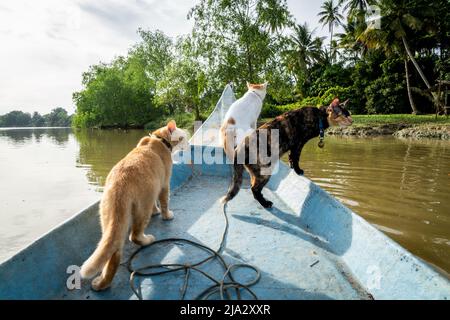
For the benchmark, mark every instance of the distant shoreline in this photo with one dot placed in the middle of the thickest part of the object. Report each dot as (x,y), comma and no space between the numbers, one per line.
(24,128)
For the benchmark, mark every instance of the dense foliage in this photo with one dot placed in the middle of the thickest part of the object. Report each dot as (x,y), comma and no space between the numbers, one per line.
(381,70)
(58,117)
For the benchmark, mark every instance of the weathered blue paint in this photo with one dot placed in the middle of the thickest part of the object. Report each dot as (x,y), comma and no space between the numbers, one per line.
(308,246)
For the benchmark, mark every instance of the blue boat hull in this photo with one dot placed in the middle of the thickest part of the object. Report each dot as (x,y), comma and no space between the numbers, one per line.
(308,246)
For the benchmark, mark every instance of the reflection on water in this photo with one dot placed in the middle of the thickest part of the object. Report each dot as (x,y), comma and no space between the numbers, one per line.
(40,185)
(49,174)
(400,186)
(22,136)
(100,150)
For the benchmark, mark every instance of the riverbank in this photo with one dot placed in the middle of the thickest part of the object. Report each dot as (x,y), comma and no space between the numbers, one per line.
(398,125)
(399,130)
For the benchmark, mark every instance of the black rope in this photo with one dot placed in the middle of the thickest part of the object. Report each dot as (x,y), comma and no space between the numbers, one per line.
(221,286)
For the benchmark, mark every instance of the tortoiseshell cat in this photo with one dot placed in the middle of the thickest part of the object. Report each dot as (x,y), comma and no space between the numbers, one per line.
(296,128)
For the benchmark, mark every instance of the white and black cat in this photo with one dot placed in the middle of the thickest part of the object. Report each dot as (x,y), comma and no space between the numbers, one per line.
(240,119)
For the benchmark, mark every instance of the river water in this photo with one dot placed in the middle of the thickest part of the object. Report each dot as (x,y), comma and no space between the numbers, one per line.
(400,186)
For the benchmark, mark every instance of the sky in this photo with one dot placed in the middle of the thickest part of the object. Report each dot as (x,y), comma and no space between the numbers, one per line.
(46,45)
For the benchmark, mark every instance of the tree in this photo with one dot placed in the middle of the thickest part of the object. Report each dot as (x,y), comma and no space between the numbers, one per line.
(183,84)
(398,20)
(353,49)
(114,97)
(330,16)
(37,120)
(16,119)
(58,117)
(239,39)
(257,40)
(386,94)
(304,50)
(120,94)
(154,53)
(356,8)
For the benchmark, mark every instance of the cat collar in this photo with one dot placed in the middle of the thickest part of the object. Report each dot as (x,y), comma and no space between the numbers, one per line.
(163,140)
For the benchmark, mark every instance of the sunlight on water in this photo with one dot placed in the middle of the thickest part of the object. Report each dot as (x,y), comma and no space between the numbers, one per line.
(400,186)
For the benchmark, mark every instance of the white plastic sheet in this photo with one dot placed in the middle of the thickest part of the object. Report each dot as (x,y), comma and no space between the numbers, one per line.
(208,133)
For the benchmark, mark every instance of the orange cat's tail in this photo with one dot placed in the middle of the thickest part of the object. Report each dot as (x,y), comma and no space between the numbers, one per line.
(112,240)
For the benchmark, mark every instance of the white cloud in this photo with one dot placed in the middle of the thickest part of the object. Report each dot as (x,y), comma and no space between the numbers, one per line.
(47,44)
(306,11)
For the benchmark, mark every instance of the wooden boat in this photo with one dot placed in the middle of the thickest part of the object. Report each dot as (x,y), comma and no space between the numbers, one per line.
(308,246)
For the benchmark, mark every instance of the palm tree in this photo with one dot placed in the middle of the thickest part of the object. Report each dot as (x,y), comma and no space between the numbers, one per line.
(330,16)
(397,22)
(304,50)
(348,40)
(355,7)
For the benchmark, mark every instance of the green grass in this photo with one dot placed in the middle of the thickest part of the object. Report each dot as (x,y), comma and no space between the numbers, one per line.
(399,118)
(379,119)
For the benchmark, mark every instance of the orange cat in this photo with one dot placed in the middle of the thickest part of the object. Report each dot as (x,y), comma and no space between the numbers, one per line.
(132,188)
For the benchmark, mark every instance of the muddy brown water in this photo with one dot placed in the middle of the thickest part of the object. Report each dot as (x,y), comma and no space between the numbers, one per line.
(400,186)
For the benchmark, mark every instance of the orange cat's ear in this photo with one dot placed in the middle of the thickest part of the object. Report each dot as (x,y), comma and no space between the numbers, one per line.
(171,126)
(335,102)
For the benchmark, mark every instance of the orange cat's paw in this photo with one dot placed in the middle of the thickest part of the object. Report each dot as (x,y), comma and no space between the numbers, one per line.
(143,239)
(168,215)
(99,284)
(147,239)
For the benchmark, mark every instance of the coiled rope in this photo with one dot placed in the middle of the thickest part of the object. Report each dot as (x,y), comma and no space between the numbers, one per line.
(222,286)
